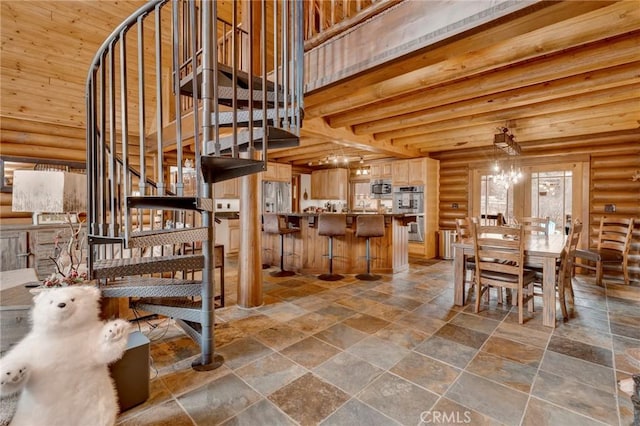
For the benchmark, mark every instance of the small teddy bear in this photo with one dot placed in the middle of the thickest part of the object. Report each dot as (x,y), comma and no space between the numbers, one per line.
(61,365)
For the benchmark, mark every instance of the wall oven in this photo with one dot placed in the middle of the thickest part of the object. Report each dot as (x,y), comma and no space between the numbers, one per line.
(381,188)
(408,199)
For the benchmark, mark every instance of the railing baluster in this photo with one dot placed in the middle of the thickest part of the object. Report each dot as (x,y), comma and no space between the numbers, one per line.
(124,122)
(141,108)
(112,142)
(176,95)
(159,178)
(196,91)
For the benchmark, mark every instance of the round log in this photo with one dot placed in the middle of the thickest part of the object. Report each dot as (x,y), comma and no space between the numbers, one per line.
(36,152)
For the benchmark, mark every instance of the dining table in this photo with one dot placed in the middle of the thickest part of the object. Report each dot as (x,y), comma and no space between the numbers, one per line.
(539,249)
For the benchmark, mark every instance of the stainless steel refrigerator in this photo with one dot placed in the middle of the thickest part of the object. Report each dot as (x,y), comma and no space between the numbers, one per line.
(276,197)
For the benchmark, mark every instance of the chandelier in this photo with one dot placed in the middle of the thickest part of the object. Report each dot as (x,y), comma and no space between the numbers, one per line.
(506,152)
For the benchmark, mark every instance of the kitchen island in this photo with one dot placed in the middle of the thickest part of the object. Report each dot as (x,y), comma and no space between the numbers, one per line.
(305,251)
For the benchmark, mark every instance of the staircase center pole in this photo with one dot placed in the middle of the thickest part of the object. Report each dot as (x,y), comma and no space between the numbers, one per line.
(208,360)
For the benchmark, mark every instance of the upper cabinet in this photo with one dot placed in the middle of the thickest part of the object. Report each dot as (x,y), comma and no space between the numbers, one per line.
(409,172)
(329,184)
(227,189)
(277,172)
(381,170)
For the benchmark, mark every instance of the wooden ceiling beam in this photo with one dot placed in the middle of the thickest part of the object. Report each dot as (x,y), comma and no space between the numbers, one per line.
(543,14)
(587,62)
(609,21)
(319,128)
(472,112)
(483,135)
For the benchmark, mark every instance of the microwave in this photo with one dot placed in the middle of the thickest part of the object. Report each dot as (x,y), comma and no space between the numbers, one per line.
(381,188)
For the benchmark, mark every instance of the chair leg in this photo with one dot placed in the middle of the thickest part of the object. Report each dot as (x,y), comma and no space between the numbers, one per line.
(599,273)
(562,297)
(625,272)
(520,306)
(478,296)
(530,306)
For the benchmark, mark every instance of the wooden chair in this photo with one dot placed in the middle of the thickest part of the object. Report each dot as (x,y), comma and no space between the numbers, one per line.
(535,225)
(614,242)
(564,268)
(493,219)
(464,232)
(500,263)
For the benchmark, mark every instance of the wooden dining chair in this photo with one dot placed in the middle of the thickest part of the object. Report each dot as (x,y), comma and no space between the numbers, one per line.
(614,242)
(535,225)
(500,263)
(464,232)
(564,268)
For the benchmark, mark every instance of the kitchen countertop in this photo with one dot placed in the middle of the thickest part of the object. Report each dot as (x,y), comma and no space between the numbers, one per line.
(227,215)
(347,213)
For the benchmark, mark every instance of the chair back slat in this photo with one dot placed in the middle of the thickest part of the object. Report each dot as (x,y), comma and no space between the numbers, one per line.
(499,249)
(535,225)
(569,252)
(615,234)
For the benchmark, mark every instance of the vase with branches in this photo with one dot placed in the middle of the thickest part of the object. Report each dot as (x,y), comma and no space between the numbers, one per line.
(67,258)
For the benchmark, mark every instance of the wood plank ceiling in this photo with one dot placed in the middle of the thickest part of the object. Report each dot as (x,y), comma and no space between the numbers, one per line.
(558,76)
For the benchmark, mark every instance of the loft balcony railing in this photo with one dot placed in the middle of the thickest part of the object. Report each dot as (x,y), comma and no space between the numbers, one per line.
(324,19)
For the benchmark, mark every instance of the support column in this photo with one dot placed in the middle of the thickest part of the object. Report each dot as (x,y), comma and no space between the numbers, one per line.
(250,254)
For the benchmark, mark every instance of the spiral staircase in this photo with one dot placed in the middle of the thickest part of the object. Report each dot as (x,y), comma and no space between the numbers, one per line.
(179,98)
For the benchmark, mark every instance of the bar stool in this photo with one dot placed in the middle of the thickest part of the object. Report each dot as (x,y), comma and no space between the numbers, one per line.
(368,226)
(276,224)
(331,225)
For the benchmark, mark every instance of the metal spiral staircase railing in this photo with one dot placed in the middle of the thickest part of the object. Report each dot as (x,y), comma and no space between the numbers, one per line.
(175,82)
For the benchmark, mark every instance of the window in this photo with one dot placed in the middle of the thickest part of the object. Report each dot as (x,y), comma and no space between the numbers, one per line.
(551,195)
(555,189)
(495,198)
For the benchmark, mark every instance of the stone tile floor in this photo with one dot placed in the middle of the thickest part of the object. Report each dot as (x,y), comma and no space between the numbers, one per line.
(396,351)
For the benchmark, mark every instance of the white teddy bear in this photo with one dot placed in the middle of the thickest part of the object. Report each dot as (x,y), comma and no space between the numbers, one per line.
(61,366)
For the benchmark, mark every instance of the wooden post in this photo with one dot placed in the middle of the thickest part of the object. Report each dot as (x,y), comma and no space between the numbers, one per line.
(250,254)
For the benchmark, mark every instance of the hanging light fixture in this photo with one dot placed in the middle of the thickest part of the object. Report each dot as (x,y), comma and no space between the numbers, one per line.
(362,170)
(506,171)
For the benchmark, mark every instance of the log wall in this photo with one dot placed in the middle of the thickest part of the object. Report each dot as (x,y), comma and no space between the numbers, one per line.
(611,170)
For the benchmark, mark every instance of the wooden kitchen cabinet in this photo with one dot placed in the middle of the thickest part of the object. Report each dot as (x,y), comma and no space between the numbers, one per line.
(277,172)
(228,234)
(227,189)
(329,184)
(409,172)
(318,183)
(400,174)
(381,170)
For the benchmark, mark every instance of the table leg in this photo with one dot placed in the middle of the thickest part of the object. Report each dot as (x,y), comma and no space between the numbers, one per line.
(458,277)
(549,292)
